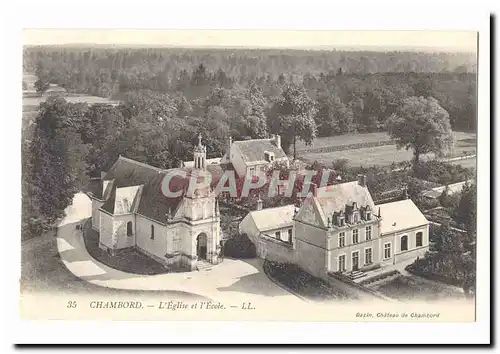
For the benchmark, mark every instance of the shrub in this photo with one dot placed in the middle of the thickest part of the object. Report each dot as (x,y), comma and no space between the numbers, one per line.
(442,172)
(239,246)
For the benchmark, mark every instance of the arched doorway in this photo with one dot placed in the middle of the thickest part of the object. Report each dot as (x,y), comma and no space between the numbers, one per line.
(201,246)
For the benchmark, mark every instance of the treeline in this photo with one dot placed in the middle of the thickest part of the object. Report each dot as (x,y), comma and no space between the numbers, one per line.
(354,91)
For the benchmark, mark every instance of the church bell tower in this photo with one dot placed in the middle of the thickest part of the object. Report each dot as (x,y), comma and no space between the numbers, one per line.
(200,155)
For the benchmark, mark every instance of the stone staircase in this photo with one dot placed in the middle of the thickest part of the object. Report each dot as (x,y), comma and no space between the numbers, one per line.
(203,265)
(355,274)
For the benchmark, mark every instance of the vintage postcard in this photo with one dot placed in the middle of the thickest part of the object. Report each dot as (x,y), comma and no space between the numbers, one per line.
(329,176)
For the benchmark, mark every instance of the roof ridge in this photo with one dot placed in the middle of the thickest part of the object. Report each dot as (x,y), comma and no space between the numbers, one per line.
(250,140)
(277,207)
(141,164)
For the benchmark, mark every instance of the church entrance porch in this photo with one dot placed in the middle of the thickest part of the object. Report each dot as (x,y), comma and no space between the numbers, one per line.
(201,246)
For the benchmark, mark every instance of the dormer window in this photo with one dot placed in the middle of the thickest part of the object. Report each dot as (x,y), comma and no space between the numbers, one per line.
(368,215)
(268,156)
(355,217)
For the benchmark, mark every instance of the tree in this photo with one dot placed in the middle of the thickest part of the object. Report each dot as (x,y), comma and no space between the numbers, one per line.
(465,214)
(294,111)
(423,125)
(251,120)
(56,168)
(333,117)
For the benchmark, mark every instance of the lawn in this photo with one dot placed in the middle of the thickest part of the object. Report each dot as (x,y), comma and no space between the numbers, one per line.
(301,282)
(347,139)
(468,163)
(385,155)
(415,288)
(129,260)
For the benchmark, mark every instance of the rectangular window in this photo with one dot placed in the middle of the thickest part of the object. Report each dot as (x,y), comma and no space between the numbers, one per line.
(342,239)
(290,233)
(355,217)
(368,233)
(368,215)
(342,263)
(177,244)
(387,250)
(278,235)
(355,238)
(368,256)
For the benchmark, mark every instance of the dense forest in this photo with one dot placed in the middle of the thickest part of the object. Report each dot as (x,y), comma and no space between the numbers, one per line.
(169,96)
(355,91)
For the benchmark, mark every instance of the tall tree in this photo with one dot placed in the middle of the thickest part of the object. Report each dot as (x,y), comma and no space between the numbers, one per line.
(294,112)
(56,168)
(466,213)
(423,125)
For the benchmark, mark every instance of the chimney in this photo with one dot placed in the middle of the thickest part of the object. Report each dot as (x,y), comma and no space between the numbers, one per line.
(277,140)
(259,204)
(230,141)
(314,189)
(362,180)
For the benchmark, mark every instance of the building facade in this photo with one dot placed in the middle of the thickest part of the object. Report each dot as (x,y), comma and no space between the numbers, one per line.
(338,228)
(129,210)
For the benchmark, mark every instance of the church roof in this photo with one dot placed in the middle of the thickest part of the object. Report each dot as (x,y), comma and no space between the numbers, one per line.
(150,202)
(399,216)
(339,197)
(253,150)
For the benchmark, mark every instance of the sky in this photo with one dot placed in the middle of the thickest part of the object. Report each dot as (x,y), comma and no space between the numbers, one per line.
(451,41)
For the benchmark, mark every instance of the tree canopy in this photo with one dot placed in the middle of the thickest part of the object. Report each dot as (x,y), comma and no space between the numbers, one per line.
(423,125)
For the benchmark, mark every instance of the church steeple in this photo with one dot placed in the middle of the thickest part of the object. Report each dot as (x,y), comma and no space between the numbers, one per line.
(200,155)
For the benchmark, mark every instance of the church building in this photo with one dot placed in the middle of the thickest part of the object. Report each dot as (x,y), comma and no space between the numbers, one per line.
(129,210)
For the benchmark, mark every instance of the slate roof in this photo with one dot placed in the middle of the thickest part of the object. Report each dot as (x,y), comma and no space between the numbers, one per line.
(253,150)
(400,215)
(337,197)
(152,202)
(95,188)
(273,218)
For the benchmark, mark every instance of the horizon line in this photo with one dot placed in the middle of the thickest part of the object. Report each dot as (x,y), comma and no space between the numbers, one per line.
(347,48)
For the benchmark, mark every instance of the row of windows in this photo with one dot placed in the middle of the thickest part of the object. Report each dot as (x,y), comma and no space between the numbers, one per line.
(355,236)
(418,241)
(403,244)
(355,260)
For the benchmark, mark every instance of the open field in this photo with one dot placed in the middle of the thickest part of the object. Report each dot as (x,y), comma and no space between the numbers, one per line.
(348,139)
(468,163)
(387,154)
(32,103)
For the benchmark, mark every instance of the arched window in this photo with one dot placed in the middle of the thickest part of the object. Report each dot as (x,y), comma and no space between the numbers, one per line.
(152,232)
(419,239)
(404,243)
(129,228)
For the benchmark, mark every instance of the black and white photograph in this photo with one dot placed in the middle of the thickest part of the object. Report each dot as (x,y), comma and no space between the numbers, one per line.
(197,175)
